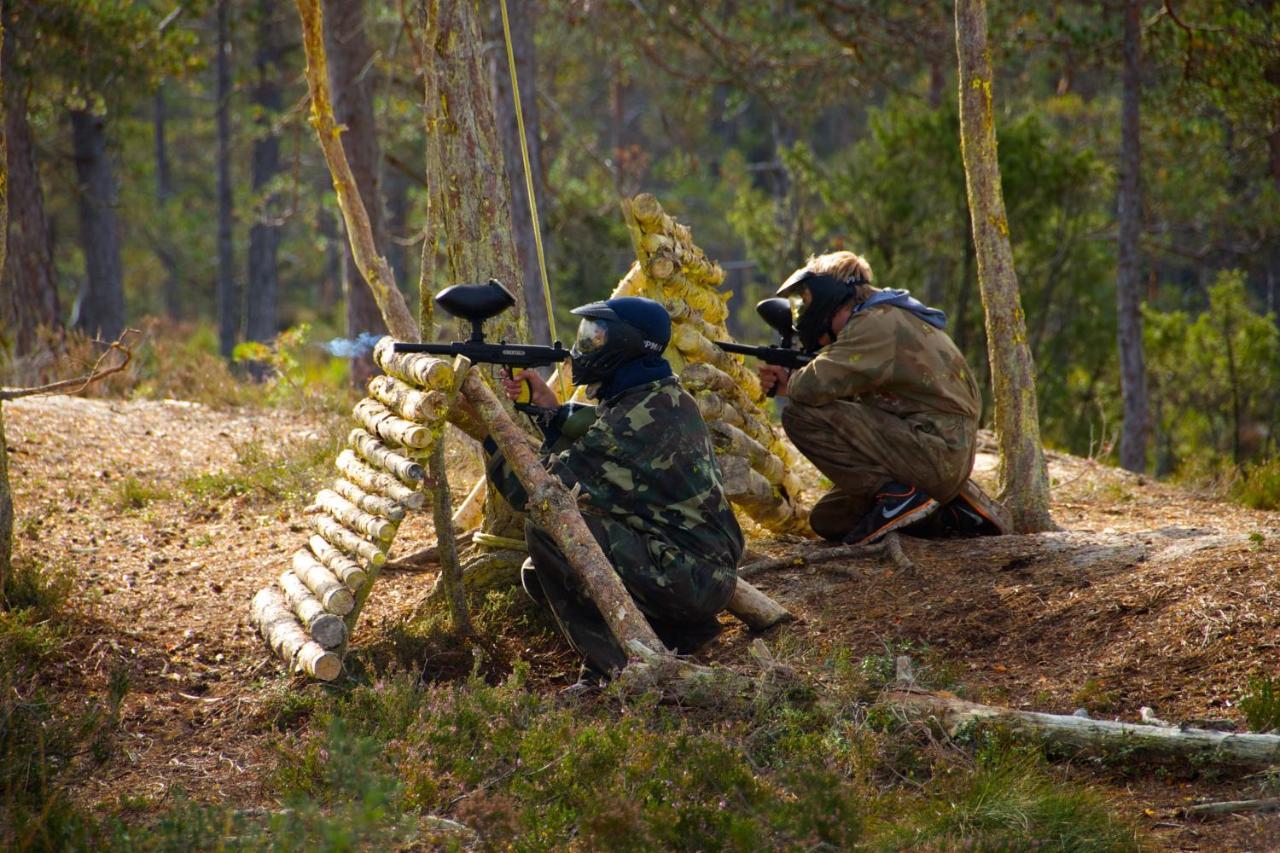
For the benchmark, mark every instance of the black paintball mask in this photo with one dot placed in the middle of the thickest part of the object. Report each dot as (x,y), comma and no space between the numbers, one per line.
(606,340)
(815,299)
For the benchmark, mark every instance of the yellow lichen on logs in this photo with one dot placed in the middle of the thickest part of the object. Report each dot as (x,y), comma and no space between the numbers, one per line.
(325,628)
(714,408)
(423,407)
(417,369)
(288,640)
(382,422)
(743,484)
(372,504)
(378,454)
(375,481)
(355,518)
(735,442)
(349,543)
(324,585)
(342,566)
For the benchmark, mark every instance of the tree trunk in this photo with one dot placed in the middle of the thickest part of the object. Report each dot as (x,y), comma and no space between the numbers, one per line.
(1024,475)
(102,302)
(264,237)
(6,492)
(329,288)
(1133,372)
(30,292)
(228,293)
(351,75)
(164,191)
(523,22)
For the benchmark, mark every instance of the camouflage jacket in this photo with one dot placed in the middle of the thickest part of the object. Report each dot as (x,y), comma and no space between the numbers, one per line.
(648,463)
(888,357)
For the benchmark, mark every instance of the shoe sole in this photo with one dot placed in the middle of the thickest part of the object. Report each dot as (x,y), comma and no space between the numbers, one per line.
(923,511)
(978,501)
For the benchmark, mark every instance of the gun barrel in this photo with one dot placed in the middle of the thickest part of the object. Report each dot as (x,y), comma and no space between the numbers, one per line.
(513,355)
(789,358)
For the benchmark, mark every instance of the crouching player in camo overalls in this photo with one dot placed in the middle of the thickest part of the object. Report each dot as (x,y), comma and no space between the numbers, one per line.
(651,489)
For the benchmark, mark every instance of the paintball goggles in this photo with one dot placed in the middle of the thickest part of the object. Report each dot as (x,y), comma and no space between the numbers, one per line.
(777,313)
(477,303)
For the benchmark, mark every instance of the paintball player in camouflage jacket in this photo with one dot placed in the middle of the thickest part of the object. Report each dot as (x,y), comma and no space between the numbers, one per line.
(652,492)
(887,410)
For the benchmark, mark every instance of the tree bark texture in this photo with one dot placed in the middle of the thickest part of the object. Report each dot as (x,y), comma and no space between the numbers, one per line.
(364,248)
(6,492)
(164,192)
(264,236)
(555,510)
(351,75)
(29,297)
(1133,371)
(102,300)
(1024,475)
(228,292)
(523,22)
(446,546)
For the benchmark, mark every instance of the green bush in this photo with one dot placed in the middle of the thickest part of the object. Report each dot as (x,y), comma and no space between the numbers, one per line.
(1261,704)
(1259,487)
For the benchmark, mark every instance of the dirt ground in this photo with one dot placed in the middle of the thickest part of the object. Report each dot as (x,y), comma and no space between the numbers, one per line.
(1147,596)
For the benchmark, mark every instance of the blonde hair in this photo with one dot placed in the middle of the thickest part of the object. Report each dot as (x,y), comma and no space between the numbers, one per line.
(845,266)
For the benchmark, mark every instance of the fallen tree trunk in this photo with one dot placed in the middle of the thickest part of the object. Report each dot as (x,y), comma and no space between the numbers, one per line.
(420,369)
(342,566)
(1084,734)
(756,609)
(372,504)
(325,628)
(378,482)
(424,407)
(388,426)
(347,542)
(555,510)
(335,597)
(378,454)
(1208,810)
(355,518)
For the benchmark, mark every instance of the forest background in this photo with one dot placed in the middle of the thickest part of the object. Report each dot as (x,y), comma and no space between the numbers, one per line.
(162,175)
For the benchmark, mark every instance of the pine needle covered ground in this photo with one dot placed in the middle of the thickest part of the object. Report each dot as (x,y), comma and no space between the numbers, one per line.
(139,709)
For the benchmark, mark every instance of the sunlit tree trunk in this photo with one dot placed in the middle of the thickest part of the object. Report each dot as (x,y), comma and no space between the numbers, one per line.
(228,293)
(1024,477)
(102,300)
(264,237)
(29,296)
(1133,372)
(164,192)
(351,76)
(523,21)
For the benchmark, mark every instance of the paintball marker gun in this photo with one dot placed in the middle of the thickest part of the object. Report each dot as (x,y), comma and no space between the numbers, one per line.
(477,303)
(777,313)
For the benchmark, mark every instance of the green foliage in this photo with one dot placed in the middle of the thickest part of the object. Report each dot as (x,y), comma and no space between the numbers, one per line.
(1214,382)
(1008,801)
(1259,485)
(132,493)
(1261,704)
(264,477)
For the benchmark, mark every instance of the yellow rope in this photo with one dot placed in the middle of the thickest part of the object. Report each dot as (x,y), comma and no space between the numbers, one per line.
(528,172)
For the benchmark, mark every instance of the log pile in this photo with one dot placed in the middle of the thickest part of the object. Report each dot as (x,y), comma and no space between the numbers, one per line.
(756,460)
(309,613)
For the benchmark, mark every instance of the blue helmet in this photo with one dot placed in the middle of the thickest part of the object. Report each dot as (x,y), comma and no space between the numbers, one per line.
(615,332)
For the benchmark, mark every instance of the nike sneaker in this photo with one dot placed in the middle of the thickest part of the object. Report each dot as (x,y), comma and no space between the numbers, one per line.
(896,506)
(964,517)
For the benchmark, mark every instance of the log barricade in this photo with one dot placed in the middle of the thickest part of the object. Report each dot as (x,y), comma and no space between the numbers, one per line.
(381,473)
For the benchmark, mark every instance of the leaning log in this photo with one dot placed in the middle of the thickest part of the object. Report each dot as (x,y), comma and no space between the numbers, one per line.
(385,424)
(323,584)
(1202,746)
(279,627)
(380,456)
(372,504)
(555,510)
(325,628)
(347,542)
(355,518)
(343,567)
(378,482)
(756,609)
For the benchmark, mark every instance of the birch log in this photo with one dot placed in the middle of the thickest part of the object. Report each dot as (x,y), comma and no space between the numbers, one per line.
(555,510)
(372,504)
(735,442)
(424,407)
(380,456)
(325,628)
(420,369)
(1082,733)
(756,609)
(323,584)
(382,422)
(279,627)
(355,518)
(347,542)
(375,481)
(343,567)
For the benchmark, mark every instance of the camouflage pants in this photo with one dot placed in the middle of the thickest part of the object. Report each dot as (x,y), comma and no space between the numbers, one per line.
(680,602)
(860,448)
